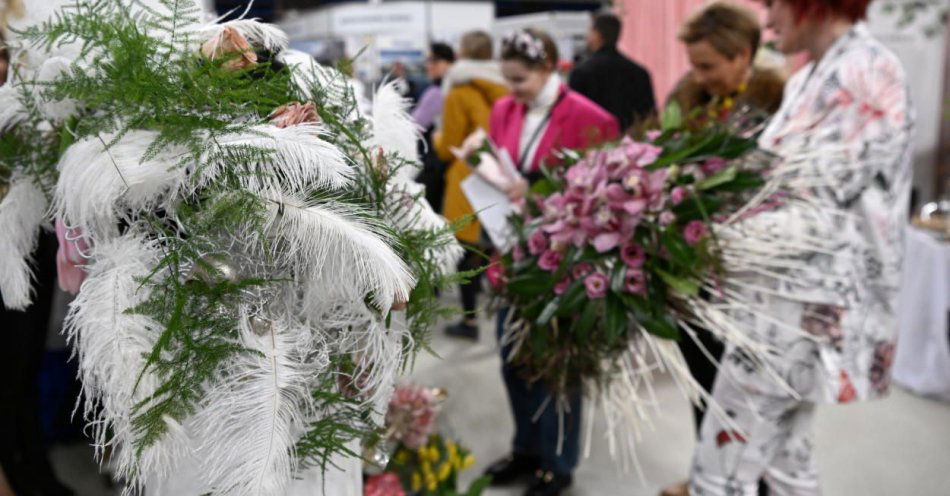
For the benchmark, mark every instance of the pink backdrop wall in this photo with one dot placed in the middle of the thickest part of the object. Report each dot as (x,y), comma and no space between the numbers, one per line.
(649,37)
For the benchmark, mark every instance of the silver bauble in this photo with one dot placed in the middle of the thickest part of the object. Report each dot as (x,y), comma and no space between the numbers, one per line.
(213,269)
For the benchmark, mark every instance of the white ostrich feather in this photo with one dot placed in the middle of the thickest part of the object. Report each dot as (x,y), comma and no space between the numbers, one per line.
(328,245)
(307,73)
(248,425)
(300,160)
(111,346)
(410,211)
(51,69)
(394,131)
(95,183)
(259,34)
(22,211)
(11,111)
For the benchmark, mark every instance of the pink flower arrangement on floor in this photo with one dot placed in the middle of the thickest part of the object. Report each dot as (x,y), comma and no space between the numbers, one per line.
(411,415)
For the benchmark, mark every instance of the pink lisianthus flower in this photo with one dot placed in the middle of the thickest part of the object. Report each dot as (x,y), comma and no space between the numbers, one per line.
(385,484)
(678,194)
(713,165)
(411,415)
(695,231)
(581,270)
(596,285)
(537,243)
(561,287)
(517,253)
(495,272)
(635,282)
(667,218)
(632,255)
(550,260)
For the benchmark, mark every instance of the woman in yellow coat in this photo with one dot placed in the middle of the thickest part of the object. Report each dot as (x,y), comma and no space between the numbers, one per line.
(471,87)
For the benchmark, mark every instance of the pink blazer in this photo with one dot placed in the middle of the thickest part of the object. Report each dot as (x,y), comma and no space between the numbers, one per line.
(576,122)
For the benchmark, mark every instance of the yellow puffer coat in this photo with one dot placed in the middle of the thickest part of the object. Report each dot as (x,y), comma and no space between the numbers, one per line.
(467,108)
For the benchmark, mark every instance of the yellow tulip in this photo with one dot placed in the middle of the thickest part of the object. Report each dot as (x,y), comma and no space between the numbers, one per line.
(445,470)
(468,461)
(416,481)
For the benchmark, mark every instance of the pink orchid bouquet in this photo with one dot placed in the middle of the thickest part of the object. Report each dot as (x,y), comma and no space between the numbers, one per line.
(611,245)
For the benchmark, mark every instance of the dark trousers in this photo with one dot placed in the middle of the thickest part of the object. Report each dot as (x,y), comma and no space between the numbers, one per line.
(469,290)
(537,434)
(700,367)
(23,453)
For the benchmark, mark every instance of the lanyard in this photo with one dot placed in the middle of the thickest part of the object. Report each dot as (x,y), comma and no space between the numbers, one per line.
(537,131)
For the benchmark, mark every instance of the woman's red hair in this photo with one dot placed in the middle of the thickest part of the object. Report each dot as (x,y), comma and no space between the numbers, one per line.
(853,10)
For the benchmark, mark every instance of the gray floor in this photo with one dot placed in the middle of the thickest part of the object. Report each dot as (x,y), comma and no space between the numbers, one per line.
(895,447)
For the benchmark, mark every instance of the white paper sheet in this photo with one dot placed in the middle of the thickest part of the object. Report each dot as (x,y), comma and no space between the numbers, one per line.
(492,207)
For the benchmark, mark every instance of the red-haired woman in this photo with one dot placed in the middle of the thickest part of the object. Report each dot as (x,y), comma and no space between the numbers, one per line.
(843,136)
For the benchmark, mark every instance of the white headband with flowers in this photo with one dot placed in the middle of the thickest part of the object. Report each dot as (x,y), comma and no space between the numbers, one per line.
(524,43)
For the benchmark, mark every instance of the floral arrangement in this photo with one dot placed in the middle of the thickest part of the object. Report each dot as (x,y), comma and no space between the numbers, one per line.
(423,462)
(613,245)
(254,263)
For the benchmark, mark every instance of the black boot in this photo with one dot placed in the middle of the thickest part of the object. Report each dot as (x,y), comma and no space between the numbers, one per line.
(463,330)
(511,468)
(549,484)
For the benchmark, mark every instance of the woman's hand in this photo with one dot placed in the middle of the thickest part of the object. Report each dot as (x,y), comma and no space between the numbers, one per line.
(517,189)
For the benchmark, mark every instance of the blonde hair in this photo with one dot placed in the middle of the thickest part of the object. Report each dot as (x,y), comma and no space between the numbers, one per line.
(9,9)
(728,27)
(476,45)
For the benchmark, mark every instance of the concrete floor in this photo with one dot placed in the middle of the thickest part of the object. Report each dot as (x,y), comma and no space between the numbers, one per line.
(899,446)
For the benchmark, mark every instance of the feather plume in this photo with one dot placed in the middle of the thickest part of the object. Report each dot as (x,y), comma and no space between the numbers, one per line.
(394,131)
(111,346)
(249,423)
(331,245)
(258,34)
(300,160)
(22,211)
(96,184)
(11,110)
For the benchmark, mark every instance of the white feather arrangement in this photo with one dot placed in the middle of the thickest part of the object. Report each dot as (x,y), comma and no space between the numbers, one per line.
(22,212)
(394,131)
(248,426)
(328,244)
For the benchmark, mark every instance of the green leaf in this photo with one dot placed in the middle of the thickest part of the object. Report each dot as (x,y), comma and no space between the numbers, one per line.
(528,285)
(572,299)
(478,486)
(680,251)
(724,176)
(544,187)
(672,117)
(662,328)
(681,285)
(615,320)
(587,319)
(549,311)
(616,279)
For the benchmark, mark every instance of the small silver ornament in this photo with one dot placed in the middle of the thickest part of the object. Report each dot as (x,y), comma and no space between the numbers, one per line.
(260,325)
(213,269)
(375,458)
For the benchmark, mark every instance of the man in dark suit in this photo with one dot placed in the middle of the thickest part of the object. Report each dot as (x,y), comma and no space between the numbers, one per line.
(616,83)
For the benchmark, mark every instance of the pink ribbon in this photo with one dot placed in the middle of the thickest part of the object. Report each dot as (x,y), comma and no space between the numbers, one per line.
(70,257)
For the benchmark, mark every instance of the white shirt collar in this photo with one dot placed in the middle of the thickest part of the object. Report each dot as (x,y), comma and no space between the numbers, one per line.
(548,94)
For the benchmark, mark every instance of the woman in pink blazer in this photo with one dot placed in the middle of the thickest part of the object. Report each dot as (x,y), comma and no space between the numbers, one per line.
(540,117)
